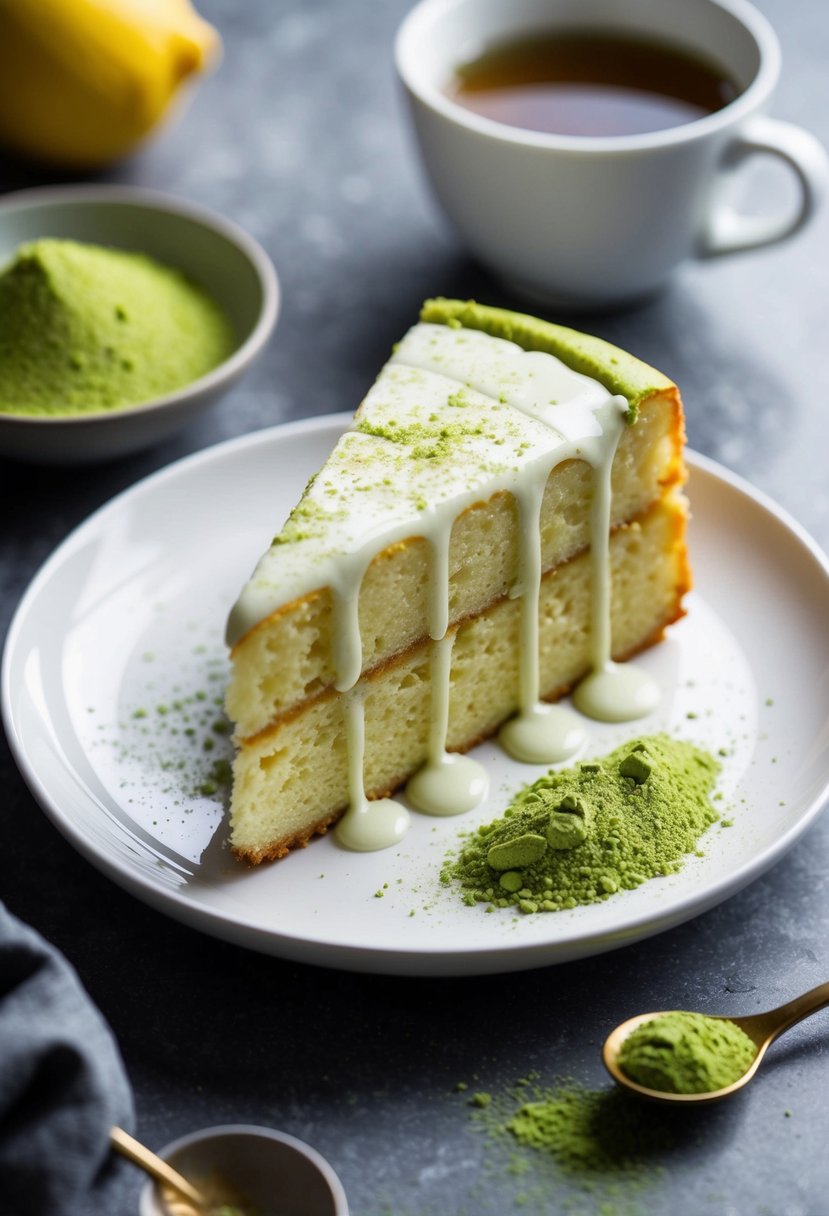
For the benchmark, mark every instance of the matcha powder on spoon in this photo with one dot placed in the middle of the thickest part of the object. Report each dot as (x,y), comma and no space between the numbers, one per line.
(580,834)
(686,1053)
(85,329)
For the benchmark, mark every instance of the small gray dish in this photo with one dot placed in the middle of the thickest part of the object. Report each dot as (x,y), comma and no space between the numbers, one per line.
(277,1174)
(213,251)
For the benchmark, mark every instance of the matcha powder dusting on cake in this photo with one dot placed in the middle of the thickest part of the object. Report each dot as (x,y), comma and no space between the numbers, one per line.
(85,329)
(581,834)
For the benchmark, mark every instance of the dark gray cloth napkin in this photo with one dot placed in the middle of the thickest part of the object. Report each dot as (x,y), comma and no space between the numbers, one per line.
(62,1081)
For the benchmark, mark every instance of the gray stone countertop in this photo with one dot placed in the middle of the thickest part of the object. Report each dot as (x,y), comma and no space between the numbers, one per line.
(301,138)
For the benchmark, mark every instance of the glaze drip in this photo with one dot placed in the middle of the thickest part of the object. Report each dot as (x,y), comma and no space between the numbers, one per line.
(448,784)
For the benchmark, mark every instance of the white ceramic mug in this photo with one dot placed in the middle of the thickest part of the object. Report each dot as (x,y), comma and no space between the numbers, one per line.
(590,221)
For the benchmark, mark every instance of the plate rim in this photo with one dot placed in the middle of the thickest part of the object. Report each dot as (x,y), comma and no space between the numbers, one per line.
(403,959)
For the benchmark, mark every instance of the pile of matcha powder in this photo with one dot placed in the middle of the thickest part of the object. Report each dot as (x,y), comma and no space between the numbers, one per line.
(686,1053)
(581,834)
(85,329)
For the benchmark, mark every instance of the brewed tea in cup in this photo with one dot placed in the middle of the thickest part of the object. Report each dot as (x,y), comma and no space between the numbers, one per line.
(585,151)
(591,83)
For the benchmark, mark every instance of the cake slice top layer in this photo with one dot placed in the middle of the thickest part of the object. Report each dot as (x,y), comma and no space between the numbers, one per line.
(455,415)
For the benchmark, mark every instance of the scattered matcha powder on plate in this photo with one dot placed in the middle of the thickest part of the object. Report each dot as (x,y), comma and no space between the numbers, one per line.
(581,834)
(185,737)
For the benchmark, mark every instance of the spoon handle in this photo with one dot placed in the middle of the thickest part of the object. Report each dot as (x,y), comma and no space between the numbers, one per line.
(786,1016)
(141,1156)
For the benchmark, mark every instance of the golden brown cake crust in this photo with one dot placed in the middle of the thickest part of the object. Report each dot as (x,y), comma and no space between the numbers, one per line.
(300,840)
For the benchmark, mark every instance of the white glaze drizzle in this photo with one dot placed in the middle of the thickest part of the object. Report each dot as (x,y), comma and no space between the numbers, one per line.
(439,586)
(611,692)
(524,412)
(447,784)
(538,734)
(366,826)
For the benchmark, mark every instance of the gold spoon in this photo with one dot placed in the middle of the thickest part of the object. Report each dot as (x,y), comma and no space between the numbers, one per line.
(761,1028)
(158,1169)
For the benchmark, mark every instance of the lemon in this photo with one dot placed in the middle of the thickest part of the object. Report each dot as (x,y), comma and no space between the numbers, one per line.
(83,81)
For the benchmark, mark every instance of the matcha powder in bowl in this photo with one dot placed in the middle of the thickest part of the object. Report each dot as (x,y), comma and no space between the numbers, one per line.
(86,329)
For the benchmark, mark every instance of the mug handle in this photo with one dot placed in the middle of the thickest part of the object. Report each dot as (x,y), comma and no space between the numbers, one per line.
(729,231)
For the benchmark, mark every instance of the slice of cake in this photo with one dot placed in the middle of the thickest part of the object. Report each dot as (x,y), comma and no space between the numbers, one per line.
(503,518)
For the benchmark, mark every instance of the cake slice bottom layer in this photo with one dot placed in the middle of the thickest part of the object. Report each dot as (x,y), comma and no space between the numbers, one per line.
(291,780)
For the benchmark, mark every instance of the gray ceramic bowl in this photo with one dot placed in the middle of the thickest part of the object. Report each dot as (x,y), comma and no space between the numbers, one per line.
(277,1174)
(223,259)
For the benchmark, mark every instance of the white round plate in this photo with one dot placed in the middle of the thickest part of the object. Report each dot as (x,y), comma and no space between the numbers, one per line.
(112,681)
